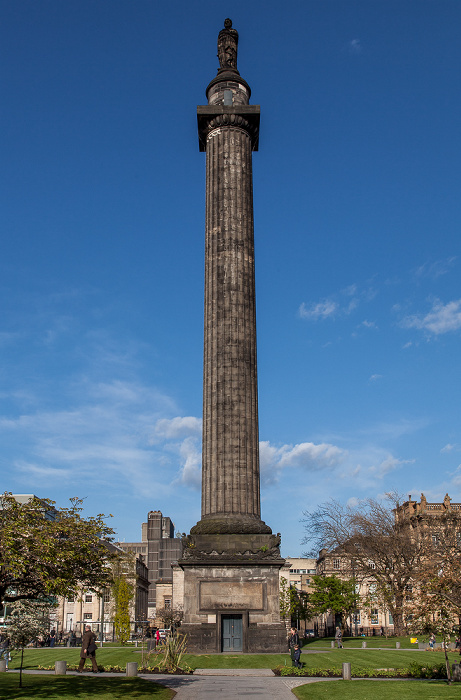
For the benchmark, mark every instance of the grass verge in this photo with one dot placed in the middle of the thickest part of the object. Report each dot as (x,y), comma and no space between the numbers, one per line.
(384,690)
(82,688)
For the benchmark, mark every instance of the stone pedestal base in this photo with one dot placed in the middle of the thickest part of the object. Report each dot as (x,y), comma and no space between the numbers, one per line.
(230,593)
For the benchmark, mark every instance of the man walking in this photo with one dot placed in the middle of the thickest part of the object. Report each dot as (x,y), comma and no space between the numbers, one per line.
(88,650)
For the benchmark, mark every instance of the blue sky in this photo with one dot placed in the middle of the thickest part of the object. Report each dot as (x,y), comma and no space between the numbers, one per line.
(358,251)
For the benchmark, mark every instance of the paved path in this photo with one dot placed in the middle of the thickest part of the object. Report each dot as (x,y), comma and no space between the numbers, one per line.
(224,687)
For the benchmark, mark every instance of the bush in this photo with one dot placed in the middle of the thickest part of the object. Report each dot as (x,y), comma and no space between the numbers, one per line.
(415,670)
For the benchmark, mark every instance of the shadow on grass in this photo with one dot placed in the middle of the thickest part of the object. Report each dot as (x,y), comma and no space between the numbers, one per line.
(68,687)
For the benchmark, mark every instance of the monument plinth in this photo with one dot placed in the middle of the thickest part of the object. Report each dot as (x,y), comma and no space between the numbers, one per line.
(231,559)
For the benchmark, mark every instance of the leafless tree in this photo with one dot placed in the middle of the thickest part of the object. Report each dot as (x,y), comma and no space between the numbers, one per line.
(374,546)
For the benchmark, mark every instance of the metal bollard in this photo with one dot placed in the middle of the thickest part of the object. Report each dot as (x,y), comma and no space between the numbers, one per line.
(60,668)
(456,670)
(132,668)
(2,665)
(332,645)
(346,672)
(364,645)
(397,645)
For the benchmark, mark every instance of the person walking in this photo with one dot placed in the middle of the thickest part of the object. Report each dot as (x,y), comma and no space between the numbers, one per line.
(338,637)
(5,649)
(296,656)
(88,650)
(293,640)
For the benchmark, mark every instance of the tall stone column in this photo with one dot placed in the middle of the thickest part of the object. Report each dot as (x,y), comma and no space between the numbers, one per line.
(231,563)
(228,131)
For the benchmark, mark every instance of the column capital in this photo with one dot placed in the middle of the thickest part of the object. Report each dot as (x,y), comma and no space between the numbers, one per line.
(211,117)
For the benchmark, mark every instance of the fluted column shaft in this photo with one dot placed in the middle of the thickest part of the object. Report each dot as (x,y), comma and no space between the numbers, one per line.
(230,461)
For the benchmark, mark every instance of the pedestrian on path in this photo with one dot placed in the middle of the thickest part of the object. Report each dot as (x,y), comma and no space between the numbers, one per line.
(88,650)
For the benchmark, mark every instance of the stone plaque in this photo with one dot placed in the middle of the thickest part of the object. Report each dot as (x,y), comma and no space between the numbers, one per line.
(231,595)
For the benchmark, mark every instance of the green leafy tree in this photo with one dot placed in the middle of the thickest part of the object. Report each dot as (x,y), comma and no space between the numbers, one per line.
(123,593)
(47,551)
(334,595)
(27,621)
(287,602)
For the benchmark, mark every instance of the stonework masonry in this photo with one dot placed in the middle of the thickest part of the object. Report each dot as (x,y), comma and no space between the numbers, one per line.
(227,579)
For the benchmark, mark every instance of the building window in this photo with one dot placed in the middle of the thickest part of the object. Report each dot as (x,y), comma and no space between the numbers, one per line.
(106,597)
(336,564)
(391,619)
(87,616)
(167,603)
(71,599)
(356,618)
(374,616)
(88,598)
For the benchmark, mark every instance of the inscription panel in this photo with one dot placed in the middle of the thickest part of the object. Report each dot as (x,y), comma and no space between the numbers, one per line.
(231,595)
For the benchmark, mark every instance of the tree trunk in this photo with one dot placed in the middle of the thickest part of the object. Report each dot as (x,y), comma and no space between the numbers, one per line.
(20,667)
(447,662)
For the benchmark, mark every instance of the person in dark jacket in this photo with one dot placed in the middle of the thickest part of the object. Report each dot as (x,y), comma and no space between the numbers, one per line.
(88,650)
(293,640)
(296,656)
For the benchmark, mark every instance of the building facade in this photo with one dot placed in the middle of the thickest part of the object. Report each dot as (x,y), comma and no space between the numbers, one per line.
(159,549)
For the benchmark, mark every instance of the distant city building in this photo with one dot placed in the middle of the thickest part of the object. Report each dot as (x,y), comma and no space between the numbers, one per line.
(160,549)
(96,608)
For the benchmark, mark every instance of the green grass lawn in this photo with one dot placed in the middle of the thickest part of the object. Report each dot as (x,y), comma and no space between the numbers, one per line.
(372,642)
(331,658)
(82,688)
(384,690)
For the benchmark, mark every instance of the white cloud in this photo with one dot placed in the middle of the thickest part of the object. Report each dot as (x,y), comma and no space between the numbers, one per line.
(369,324)
(441,319)
(375,377)
(448,448)
(306,455)
(171,428)
(191,470)
(323,309)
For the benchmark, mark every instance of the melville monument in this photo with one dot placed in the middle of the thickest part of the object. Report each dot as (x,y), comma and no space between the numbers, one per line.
(228,577)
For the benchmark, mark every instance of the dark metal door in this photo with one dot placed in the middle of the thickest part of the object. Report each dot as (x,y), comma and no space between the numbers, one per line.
(231,632)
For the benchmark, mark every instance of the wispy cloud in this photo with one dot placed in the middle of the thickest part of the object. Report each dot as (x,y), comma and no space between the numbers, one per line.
(355,46)
(442,318)
(435,269)
(375,377)
(342,304)
(316,311)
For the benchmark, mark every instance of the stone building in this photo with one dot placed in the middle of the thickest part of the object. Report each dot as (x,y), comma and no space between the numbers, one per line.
(97,607)
(159,549)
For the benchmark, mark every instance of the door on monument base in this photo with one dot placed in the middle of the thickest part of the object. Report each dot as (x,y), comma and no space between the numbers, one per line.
(231,626)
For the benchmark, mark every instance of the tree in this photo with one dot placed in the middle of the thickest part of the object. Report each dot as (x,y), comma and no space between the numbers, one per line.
(287,602)
(123,595)
(50,552)
(373,545)
(171,617)
(437,601)
(28,621)
(334,595)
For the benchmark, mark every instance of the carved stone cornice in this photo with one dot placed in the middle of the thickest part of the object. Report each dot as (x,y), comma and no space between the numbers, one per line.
(244,117)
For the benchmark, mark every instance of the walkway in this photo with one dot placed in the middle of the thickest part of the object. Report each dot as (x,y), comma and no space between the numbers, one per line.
(231,684)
